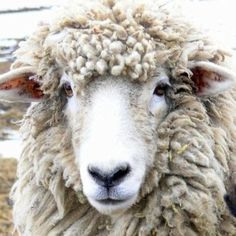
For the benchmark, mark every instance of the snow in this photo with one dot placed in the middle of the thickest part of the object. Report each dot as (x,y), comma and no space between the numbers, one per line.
(2,112)
(14,4)
(20,25)
(11,147)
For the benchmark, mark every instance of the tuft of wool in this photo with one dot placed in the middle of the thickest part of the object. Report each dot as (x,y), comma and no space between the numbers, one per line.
(184,196)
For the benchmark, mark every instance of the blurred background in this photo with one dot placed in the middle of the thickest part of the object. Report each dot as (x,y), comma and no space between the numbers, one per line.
(18,19)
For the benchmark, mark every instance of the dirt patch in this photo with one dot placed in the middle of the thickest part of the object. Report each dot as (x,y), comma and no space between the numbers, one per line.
(7,178)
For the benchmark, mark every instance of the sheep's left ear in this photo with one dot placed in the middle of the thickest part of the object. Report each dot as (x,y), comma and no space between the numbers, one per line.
(210,78)
(20,85)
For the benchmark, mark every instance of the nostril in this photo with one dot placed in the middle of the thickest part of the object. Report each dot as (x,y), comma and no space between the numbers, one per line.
(96,174)
(120,173)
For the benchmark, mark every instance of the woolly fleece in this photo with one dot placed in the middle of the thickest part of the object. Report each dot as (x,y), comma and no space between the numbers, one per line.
(183,193)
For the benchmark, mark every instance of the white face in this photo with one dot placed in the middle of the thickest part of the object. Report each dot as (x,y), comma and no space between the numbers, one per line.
(112,154)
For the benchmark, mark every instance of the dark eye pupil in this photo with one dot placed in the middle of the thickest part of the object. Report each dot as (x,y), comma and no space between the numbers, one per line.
(160,90)
(68,90)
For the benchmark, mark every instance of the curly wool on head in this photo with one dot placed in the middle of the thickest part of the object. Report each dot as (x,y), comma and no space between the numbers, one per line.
(120,38)
(193,146)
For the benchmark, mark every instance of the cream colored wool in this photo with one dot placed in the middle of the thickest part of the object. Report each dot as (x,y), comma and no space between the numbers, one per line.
(195,146)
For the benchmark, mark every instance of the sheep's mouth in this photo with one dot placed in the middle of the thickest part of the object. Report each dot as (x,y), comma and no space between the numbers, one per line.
(111,201)
(109,206)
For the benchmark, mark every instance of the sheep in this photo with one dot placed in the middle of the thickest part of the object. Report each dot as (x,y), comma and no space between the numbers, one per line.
(131,130)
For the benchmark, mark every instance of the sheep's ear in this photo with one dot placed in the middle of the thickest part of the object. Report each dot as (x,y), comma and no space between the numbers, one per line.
(210,78)
(20,85)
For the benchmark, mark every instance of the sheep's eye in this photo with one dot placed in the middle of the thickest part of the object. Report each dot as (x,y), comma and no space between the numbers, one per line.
(68,90)
(160,89)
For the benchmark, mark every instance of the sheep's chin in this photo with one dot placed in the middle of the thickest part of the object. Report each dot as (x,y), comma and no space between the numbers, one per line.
(113,209)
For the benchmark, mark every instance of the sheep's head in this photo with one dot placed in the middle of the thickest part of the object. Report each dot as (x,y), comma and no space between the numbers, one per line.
(118,82)
(114,124)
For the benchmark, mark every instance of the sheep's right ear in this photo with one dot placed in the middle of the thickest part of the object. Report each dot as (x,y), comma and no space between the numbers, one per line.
(20,85)
(210,78)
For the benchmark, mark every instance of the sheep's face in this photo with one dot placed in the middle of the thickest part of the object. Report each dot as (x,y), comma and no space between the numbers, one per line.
(114,125)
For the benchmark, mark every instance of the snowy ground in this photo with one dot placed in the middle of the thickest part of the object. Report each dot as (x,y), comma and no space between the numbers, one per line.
(22,23)
(10,148)
(217,16)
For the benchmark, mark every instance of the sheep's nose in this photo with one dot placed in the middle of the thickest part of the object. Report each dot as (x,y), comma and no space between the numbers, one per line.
(110,179)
